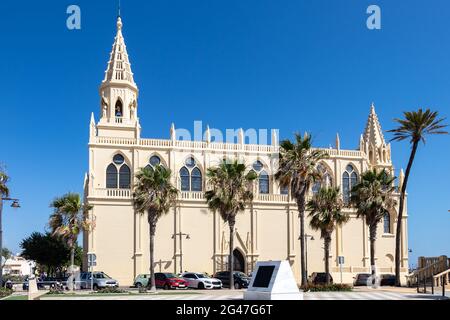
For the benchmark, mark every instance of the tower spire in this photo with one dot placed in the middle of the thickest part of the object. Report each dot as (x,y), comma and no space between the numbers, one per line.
(373,132)
(119,66)
(373,143)
(118,91)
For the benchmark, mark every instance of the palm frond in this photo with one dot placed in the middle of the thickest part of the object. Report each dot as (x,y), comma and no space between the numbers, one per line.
(416,125)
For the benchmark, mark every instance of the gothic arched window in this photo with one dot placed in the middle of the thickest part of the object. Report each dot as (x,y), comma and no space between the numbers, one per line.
(191,176)
(349,180)
(118,174)
(124,177)
(185,179)
(111,176)
(118,111)
(326,180)
(387,223)
(263,182)
(196,179)
(263,177)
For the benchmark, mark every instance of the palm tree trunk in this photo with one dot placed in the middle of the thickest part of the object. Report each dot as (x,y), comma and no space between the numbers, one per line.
(232,222)
(72,262)
(301,214)
(373,237)
(152,226)
(400,214)
(327,242)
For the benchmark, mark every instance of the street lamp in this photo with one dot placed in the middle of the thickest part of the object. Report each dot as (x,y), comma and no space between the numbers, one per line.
(306,249)
(15,204)
(181,235)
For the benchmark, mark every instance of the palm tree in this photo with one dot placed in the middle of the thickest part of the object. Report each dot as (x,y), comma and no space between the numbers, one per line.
(297,171)
(68,220)
(325,213)
(4,191)
(415,126)
(231,192)
(373,198)
(154,194)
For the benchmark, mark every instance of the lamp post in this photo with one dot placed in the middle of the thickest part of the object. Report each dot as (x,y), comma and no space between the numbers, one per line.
(15,204)
(306,250)
(160,263)
(181,235)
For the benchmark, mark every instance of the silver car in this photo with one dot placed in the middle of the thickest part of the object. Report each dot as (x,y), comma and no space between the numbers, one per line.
(100,281)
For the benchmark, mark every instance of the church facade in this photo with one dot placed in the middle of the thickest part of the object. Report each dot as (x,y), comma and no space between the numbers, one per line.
(191,237)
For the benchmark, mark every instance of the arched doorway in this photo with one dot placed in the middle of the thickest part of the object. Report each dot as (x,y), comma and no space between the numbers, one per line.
(239,261)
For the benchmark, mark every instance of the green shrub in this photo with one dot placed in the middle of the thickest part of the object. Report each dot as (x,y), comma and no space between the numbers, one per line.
(111,290)
(5,292)
(54,291)
(323,287)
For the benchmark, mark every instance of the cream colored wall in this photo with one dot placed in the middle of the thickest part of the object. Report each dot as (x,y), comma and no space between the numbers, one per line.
(120,239)
(113,241)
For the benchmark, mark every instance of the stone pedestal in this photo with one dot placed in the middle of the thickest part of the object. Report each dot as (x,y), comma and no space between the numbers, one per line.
(273,280)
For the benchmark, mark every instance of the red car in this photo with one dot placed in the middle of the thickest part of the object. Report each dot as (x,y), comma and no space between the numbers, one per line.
(169,281)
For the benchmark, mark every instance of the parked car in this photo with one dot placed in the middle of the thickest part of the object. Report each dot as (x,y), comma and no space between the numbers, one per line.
(241,280)
(40,283)
(100,281)
(361,279)
(320,278)
(162,280)
(201,281)
(387,280)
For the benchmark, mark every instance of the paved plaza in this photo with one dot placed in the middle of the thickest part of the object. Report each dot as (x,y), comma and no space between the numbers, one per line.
(357,294)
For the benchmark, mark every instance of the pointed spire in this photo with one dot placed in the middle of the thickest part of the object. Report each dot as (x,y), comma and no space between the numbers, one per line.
(119,67)
(173,132)
(92,130)
(207,135)
(274,137)
(241,136)
(338,142)
(373,133)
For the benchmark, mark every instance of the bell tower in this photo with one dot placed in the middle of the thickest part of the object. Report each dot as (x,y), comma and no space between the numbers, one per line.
(118,94)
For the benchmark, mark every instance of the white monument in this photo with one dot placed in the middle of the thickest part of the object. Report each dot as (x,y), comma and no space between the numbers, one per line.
(273,280)
(33,291)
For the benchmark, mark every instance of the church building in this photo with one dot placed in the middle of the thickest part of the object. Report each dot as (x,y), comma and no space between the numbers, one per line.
(191,237)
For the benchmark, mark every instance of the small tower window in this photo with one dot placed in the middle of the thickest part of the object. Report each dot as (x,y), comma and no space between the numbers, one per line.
(119,109)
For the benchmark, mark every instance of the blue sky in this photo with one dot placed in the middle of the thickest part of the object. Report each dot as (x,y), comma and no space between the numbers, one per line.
(290,65)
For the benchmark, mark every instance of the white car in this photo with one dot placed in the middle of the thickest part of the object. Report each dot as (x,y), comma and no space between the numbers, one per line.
(201,281)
